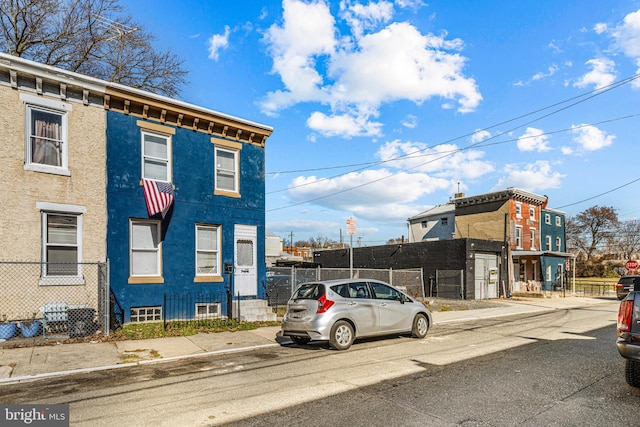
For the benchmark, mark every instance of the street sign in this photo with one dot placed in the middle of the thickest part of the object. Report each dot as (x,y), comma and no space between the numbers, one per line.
(632,264)
(351,226)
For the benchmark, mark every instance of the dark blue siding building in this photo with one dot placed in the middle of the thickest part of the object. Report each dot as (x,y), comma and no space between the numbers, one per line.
(185,207)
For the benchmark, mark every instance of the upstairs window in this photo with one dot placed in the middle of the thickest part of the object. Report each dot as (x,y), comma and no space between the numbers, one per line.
(548,243)
(156,156)
(444,221)
(518,210)
(558,244)
(226,170)
(46,145)
(558,221)
(532,213)
(519,237)
(547,219)
(532,238)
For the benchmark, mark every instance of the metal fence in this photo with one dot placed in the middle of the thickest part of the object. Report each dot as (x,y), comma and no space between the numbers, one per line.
(449,284)
(194,308)
(53,299)
(282,281)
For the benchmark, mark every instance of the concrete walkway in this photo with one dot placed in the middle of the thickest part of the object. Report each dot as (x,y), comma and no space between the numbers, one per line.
(29,363)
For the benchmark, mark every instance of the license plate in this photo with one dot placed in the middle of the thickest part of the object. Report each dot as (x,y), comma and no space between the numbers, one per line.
(298,314)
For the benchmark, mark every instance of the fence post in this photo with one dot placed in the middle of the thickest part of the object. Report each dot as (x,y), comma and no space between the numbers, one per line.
(164,311)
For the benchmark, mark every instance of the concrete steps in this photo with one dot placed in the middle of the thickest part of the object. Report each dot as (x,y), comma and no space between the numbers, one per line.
(254,310)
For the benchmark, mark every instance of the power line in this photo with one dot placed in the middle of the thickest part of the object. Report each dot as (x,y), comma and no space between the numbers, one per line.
(578,100)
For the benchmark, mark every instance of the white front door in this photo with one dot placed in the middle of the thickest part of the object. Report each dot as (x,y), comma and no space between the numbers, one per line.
(245,277)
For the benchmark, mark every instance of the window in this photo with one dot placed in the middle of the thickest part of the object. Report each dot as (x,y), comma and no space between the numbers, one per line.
(549,277)
(46,145)
(359,290)
(547,219)
(156,156)
(226,170)
(207,250)
(208,310)
(532,238)
(385,292)
(444,221)
(558,244)
(424,224)
(61,247)
(548,243)
(558,221)
(146,314)
(532,213)
(61,243)
(519,237)
(145,253)
(518,210)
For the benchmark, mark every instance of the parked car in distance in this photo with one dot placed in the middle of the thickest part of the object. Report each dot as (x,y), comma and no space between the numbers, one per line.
(625,285)
(342,310)
(628,329)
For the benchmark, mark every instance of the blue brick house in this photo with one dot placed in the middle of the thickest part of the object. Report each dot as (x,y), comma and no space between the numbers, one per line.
(554,258)
(185,206)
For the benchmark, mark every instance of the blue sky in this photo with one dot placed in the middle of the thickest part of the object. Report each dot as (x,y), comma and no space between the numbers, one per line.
(382,110)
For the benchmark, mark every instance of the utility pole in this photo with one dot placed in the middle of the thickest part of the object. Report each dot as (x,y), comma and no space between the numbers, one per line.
(290,242)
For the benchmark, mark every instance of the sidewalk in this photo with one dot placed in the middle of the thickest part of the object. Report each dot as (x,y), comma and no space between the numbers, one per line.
(29,363)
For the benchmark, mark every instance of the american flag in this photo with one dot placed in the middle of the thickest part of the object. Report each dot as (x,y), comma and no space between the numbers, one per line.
(159,196)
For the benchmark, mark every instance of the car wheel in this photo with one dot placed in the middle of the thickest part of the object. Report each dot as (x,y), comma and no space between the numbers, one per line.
(632,372)
(341,335)
(420,326)
(620,297)
(301,340)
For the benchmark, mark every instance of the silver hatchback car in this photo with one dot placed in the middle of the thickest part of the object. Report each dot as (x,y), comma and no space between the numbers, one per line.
(339,311)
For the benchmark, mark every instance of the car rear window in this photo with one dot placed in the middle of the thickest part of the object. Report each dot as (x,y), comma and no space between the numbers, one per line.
(309,291)
(628,280)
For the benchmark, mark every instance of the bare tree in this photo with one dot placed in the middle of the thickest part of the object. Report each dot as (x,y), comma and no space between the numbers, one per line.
(92,37)
(627,239)
(590,229)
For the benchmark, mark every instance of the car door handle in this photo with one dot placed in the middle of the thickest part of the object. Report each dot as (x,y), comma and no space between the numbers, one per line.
(384,304)
(352,303)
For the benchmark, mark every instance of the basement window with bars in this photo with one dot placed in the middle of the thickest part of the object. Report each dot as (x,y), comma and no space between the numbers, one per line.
(146,314)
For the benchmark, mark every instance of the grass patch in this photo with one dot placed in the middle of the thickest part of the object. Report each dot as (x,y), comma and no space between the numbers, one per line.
(143,331)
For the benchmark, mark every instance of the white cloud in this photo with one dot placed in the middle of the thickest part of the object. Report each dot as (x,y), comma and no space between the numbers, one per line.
(356,75)
(532,177)
(445,161)
(602,73)
(550,72)
(627,35)
(600,28)
(343,125)
(411,121)
(480,135)
(362,17)
(358,192)
(218,42)
(590,138)
(534,140)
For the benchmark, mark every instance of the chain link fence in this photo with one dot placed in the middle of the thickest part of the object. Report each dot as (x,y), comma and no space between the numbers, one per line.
(53,299)
(449,284)
(281,282)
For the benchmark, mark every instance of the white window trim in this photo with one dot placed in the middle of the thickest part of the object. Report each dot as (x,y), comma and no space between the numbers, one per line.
(558,243)
(59,107)
(558,221)
(548,246)
(148,318)
(236,174)
(532,236)
(518,237)
(219,245)
(547,219)
(144,278)
(168,160)
(518,210)
(45,209)
(532,213)
(209,315)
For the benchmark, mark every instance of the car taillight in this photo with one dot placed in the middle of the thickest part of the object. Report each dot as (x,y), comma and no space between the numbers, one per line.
(625,313)
(619,285)
(324,304)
